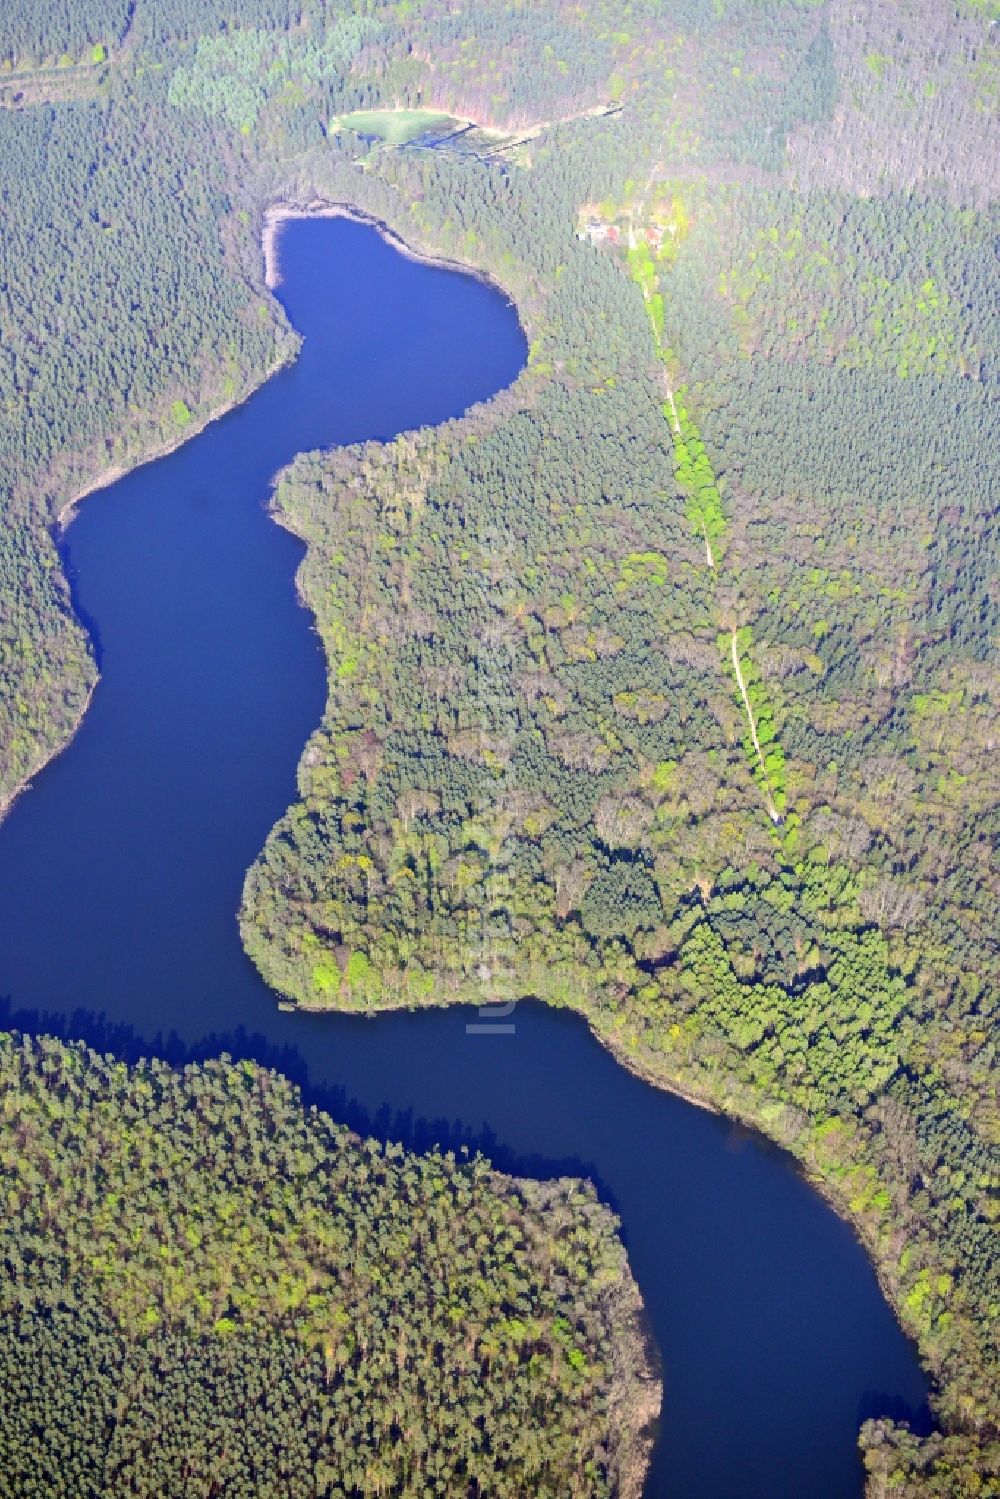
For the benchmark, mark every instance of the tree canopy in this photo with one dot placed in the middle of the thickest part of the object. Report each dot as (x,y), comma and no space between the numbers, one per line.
(664,686)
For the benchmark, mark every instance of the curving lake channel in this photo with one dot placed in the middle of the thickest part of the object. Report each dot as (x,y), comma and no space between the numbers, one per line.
(121,870)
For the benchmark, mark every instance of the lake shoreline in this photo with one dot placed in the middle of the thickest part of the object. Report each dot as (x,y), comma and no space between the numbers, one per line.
(809,1174)
(734,1114)
(66,514)
(616,1046)
(283,211)
(167,445)
(275,216)
(645,1075)
(74,728)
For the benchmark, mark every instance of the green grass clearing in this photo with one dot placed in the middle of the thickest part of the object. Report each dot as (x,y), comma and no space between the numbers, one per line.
(394,126)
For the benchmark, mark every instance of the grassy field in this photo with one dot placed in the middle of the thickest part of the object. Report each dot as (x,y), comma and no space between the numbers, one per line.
(394,126)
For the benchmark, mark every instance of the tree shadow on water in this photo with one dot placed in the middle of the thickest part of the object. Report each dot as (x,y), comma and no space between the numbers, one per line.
(876,1405)
(387,1124)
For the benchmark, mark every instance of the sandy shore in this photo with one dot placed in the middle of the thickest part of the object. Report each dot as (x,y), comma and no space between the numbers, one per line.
(319,208)
(277,215)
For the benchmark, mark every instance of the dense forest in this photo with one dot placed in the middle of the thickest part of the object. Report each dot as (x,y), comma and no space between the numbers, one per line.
(124,319)
(664,686)
(245,1298)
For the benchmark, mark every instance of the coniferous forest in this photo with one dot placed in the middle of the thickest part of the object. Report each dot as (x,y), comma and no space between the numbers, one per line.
(663,686)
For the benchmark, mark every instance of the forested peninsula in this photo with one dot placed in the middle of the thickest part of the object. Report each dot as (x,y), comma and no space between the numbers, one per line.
(246,1298)
(663,686)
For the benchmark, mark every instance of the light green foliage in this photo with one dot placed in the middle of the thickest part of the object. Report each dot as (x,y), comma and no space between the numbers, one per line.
(815,279)
(39,32)
(531,764)
(692,469)
(765,757)
(695,476)
(233,77)
(839,1031)
(186,1238)
(960,1466)
(877,63)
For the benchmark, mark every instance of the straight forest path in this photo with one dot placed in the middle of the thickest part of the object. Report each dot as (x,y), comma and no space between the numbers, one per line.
(772,810)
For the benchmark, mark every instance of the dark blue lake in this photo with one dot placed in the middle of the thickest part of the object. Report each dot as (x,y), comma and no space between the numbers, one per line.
(121,871)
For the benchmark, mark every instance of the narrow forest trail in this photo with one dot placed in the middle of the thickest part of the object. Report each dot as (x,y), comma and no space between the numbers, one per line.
(708,548)
(635,212)
(772,810)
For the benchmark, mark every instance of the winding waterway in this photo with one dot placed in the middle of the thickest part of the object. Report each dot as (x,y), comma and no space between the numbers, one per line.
(120,877)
